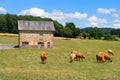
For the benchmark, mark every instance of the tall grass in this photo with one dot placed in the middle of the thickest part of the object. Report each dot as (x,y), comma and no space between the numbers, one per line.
(24,63)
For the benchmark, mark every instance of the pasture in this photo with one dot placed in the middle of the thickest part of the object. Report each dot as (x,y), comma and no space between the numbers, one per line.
(24,63)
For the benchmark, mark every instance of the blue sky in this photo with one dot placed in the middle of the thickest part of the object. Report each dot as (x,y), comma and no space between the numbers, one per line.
(83,13)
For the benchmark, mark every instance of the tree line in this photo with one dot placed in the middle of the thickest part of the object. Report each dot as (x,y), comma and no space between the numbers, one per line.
(9,24)
(100,33)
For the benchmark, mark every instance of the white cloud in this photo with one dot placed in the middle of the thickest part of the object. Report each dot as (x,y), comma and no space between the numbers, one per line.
(116,25)
(56,14)
(116,15)
(34,12)
(94,21)
(106,26)
(117,21)
(106,11)
(93,24)
(3,10)
(77,15)
(98,20)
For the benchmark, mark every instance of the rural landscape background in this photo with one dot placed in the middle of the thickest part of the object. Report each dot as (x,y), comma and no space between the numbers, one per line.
(24,63)
(9,24)
(87,26)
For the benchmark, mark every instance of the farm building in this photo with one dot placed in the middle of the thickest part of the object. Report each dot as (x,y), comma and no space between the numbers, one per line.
(36,34)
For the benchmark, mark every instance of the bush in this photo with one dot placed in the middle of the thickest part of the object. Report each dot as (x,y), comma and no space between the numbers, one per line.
(110,37)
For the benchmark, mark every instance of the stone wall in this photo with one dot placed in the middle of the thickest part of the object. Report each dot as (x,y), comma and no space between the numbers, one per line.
(34,37)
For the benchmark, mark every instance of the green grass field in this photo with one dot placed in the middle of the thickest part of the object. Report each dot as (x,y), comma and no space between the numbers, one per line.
(24,63)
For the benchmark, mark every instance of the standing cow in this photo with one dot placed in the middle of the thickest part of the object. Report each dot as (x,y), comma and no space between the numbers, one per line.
(43,57)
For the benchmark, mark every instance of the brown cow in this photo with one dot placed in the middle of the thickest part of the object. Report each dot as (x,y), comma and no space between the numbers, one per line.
(108,57)
(79,55)
(101,56)
(43,57)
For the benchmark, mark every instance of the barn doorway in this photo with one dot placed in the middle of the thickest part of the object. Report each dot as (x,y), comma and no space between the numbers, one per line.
(25,44)
(40,44)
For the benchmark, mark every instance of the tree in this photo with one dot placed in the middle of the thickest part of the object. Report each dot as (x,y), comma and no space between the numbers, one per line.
(110,37)
(58,28)
(76,32)
(3,24)
(96,33)
(115,32)
(11,22)
(84,35)
(72,27)
(66,32)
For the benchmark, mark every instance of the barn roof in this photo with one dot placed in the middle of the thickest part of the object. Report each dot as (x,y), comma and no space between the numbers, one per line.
(36,25)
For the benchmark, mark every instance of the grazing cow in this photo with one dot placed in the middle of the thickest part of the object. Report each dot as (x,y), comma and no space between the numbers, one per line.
(72,57)
(43,57)
(110,52)
(79,55)
(101,56)
(108,57)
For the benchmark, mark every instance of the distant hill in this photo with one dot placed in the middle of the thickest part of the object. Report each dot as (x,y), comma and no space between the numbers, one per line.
(106,30)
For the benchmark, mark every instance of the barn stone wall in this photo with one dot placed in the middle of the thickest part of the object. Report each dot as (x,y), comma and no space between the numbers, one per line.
(34,37)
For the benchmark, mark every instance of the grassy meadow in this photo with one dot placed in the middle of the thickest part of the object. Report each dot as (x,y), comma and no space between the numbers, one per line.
(24,63)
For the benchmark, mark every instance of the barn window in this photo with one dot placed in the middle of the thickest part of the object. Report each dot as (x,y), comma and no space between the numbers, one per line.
(25,44)
(41,44)
(48,44)
(41,37)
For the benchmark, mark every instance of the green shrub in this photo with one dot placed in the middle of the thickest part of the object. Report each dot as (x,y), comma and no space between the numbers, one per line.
(110,37)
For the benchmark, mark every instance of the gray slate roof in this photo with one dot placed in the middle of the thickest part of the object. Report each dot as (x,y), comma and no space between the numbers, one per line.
(36,25)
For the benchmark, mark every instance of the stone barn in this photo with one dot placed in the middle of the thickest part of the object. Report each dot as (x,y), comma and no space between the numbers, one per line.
(37,34)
